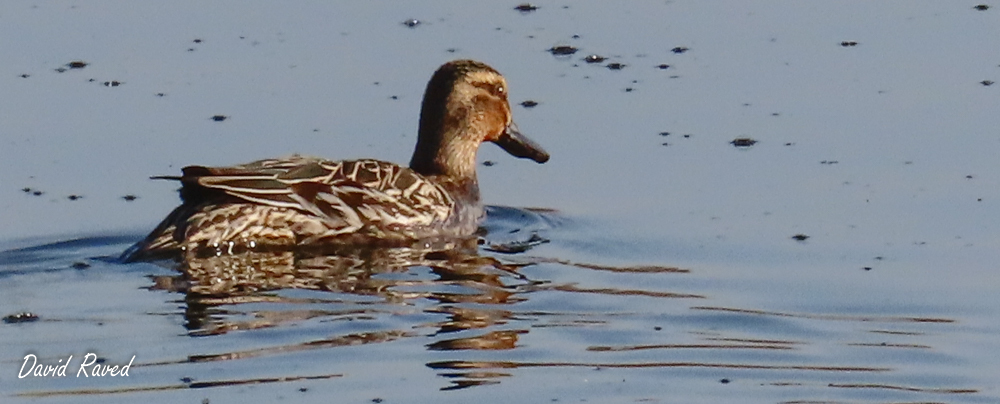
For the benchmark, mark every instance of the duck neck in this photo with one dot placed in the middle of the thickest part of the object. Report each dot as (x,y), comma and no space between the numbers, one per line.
(447,147)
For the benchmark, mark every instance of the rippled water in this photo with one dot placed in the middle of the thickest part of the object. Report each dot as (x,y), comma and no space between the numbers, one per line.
(566,320)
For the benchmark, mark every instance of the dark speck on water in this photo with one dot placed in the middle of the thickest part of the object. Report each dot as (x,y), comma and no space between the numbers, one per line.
(376,400)
(526,8)
(848,43)
(160,94)
(76,64)
(615,66)
(113,83)
(130,197)
(664,133)
(412,23)
(489,163)
(563,50)
(197,41)
(26,190)
(37,193)
(800,237)
(219,118)
(80,265)
(529,104)
(663,66)
(679,49)
(743,142)
(24,76)
(982,7)
(724,381)
(24,317)
(594,59)
(74,197)
(986,82)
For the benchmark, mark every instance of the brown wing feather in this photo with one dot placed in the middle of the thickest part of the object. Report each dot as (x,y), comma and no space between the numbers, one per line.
(359,192)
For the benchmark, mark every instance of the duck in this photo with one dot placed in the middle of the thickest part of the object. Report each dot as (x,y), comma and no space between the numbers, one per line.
(300,201)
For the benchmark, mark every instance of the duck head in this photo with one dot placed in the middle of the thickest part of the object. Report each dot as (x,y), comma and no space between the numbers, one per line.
(465,104)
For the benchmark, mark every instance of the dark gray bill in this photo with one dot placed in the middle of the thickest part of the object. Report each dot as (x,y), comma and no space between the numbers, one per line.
(519,146)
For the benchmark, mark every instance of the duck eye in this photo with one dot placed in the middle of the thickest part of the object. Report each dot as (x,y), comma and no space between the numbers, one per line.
(500,90)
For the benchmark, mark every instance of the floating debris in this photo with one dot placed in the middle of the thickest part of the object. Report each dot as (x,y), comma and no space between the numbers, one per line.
(24,317)
(982,7)
(615,66)
(77,64)
(529,104)
(680,49)
(26,190)
(130,198)
(525,8)
(80,265)
(829,162)
(516,247)
(800,237)
(113,83)
(24,76)
(594,59)
(74,197)
(664,134)
(563,50)
(629,89)
(743,142)
(219,118)
(489,163)
(663,66)
(412,23)
(197,41)
(986,82)
(849,43)
(37,193)
(160,94)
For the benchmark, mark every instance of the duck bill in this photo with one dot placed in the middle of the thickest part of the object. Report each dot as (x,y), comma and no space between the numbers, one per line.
(517,145)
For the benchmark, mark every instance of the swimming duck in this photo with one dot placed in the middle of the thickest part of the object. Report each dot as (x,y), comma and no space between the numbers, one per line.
(305,201)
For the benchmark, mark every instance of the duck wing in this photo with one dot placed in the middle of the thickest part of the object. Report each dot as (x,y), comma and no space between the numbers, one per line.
(358,192)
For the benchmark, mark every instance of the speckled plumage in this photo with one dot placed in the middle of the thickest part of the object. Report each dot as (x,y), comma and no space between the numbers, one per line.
(304,201)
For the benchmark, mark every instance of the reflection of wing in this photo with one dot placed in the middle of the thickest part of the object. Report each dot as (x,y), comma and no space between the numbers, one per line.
(350,194)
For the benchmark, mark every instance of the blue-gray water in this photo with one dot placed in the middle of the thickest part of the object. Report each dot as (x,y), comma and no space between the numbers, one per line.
(670,274)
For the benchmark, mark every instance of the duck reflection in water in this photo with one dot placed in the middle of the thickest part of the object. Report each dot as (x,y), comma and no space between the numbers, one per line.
(448,272)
